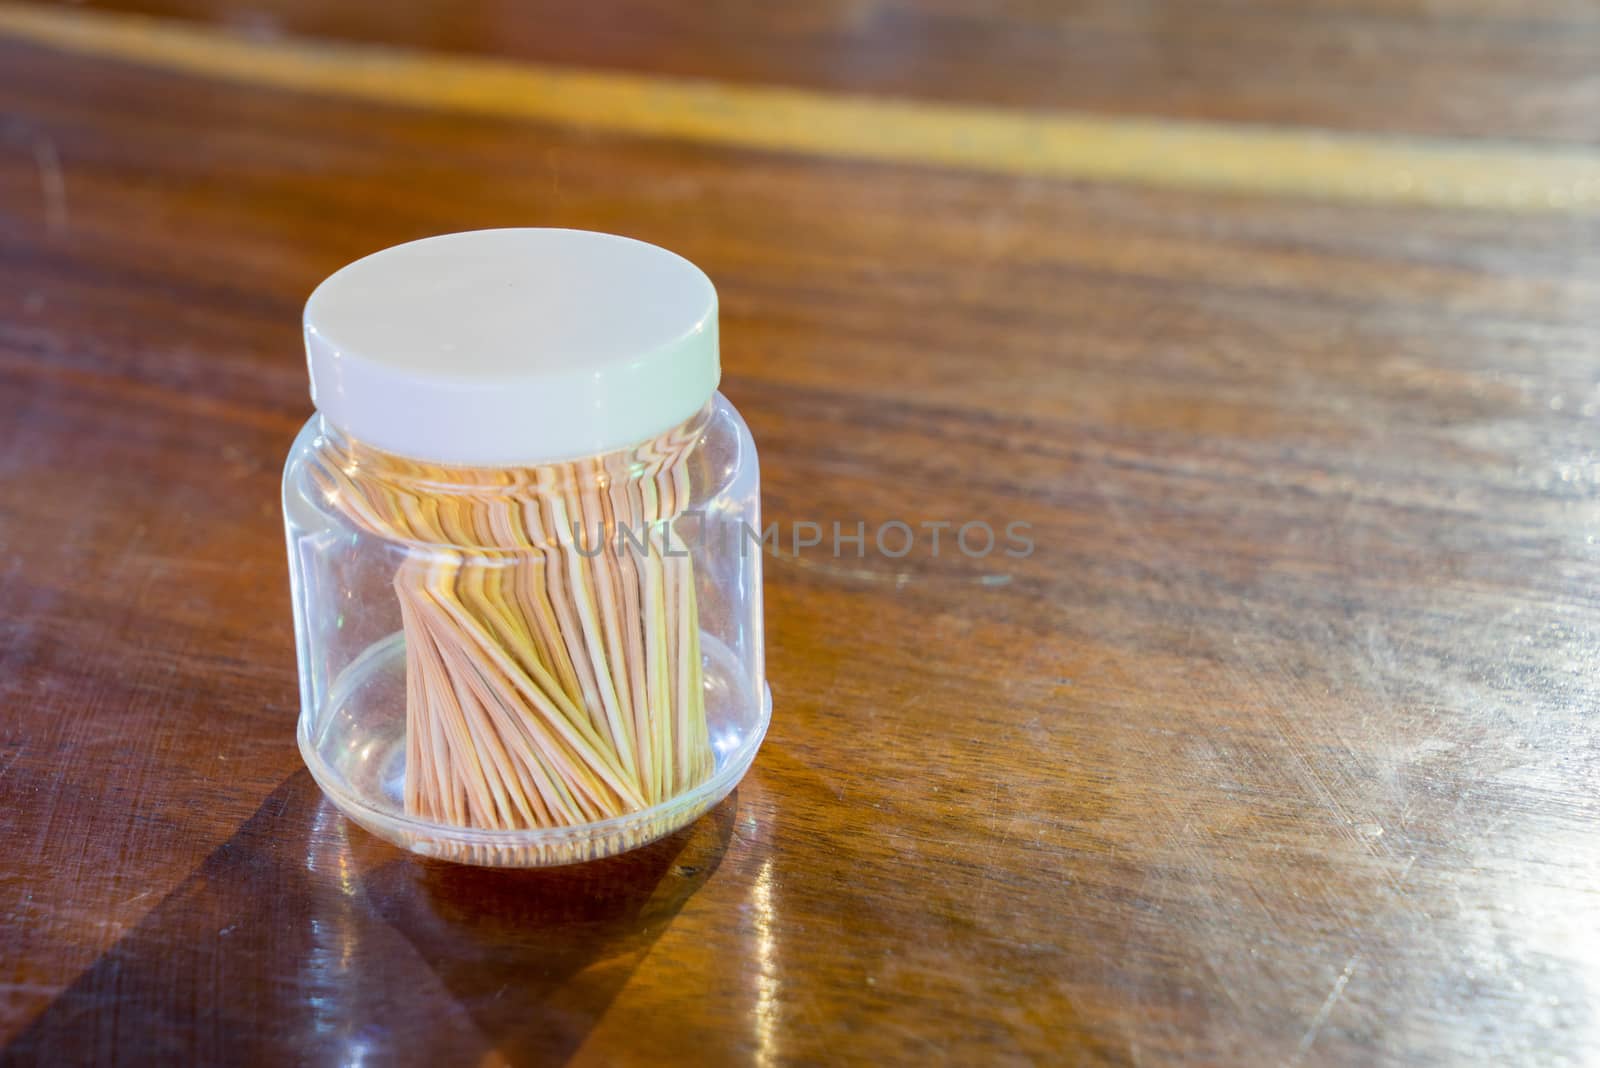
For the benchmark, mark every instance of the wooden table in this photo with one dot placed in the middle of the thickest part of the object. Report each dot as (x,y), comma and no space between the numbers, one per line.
(1278,326)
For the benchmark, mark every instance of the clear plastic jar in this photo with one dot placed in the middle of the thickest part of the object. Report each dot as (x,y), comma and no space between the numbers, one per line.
(524,549)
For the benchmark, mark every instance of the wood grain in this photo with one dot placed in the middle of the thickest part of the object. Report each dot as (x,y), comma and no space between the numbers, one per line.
(1472,68)
(1279,747)
(1159,152)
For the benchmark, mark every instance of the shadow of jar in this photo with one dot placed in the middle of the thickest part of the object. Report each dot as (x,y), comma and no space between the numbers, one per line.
(302,939)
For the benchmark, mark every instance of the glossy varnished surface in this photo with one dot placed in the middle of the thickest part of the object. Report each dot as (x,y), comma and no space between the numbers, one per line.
(1478,68)
(1279,747)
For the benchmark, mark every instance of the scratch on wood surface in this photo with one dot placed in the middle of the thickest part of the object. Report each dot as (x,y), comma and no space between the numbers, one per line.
(53,183)
(1321,1017)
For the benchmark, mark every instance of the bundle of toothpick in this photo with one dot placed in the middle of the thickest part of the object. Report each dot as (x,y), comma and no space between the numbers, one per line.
(552,668)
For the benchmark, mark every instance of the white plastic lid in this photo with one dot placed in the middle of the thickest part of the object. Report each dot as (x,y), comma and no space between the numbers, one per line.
(506,347)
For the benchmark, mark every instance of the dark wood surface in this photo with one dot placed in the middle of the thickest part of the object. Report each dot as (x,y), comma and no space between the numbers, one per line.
(1280,747)
(1476,68)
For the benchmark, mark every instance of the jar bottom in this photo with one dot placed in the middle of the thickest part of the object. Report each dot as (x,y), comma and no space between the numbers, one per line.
(357,755)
